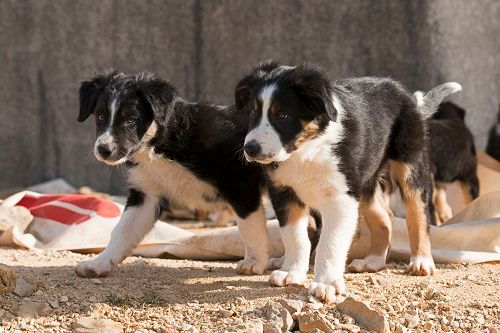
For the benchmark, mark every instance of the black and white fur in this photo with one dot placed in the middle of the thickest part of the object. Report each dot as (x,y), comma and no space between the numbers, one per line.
(173,150)
(324,146)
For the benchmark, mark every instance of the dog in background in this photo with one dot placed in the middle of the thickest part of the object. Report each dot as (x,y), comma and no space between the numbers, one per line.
(453,156)
(174,150)
(493,146)
(324,146)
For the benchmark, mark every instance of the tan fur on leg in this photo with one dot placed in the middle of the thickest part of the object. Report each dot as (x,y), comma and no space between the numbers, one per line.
(421,262)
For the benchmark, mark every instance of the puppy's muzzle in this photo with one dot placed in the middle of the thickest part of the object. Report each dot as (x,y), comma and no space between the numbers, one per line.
(252,149)
(104,150)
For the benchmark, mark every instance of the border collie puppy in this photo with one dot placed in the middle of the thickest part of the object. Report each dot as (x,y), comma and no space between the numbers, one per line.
(493,146)
(324,146)
(173,150)
(453,156)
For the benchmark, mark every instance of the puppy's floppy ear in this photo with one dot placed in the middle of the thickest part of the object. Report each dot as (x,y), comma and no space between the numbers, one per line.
(155,95)
(244,87)
(314,89)
(90,91)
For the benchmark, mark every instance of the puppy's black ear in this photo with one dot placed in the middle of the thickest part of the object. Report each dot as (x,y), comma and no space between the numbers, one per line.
(156,95)
(244,87)
(314,89)
(90,91)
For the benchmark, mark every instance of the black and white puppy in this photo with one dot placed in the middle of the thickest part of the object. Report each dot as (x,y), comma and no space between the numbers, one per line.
(493,146)
(453,156)
(173,150)
(324,146)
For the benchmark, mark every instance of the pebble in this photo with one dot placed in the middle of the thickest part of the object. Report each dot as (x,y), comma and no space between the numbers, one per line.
(292,305)
(63,299)
(96,281)
(313,320)
(31,309)
(226,313)
(251,326)
(54,304)
(278,319)
(411,321)
(7,280)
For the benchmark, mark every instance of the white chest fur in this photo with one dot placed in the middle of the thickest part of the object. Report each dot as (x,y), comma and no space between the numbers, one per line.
(158,176)
(313,170)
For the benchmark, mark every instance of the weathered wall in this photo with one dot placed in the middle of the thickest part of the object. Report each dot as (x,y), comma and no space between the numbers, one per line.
(48,46)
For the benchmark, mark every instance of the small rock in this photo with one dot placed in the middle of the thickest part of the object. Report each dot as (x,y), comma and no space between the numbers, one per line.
(7,280)
(54,304)
(31,310)
(92,325)
(401,329)
(279,320)
(225,313)
(292,305)
(96,281)
(24,288)
(412,321)
(313,321)
(373,319)
(251,326)
(63,299)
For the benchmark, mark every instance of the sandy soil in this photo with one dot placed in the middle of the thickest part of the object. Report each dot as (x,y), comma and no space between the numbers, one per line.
(157,295)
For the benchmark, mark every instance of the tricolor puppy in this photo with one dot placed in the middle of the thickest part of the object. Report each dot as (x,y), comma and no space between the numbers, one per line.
(173,150)
(453,157)
(324,145)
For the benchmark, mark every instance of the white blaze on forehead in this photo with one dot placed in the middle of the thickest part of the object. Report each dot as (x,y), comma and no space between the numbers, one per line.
(113,106)
(264,134)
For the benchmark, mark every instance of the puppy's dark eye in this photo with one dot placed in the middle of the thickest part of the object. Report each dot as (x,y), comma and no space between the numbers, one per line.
(100,117)
(282,116)
(130,120)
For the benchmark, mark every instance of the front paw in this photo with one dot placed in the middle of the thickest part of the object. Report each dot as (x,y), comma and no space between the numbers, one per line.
(328,292)
(369,264)
(283,278)
(422,266)
(94,268)
(251,266)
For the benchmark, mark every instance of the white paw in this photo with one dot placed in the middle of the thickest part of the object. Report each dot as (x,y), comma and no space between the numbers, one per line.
(94,268)
(251,266)
(284,278)
(369,264)
(328,292)
(275,263)
(422,266)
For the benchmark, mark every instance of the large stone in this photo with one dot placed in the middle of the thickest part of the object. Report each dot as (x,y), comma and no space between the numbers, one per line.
(24,288)
(371,318)
(93,325)
(31,310)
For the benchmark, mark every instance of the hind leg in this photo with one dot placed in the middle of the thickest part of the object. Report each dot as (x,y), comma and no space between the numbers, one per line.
(443,208)
(379,223)
(415,185)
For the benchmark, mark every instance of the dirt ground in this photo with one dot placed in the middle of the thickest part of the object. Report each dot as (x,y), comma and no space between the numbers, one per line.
(158,295)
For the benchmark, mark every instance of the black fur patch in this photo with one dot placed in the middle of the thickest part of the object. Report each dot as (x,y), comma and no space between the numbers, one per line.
(493,146)
(453,153)
(135,198)
(282,198)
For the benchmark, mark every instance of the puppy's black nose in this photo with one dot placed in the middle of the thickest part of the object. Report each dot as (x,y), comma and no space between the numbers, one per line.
(252,148)
(104,150)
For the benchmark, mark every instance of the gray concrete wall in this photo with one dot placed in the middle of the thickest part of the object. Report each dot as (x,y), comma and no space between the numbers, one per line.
(48,46)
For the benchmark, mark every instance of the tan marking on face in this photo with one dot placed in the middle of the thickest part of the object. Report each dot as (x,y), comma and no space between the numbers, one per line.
(310,131)
(416,218)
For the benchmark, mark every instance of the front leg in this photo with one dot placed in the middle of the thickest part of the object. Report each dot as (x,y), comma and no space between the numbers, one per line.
(253,232)
(293,217)
(141,212)
(340,218)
